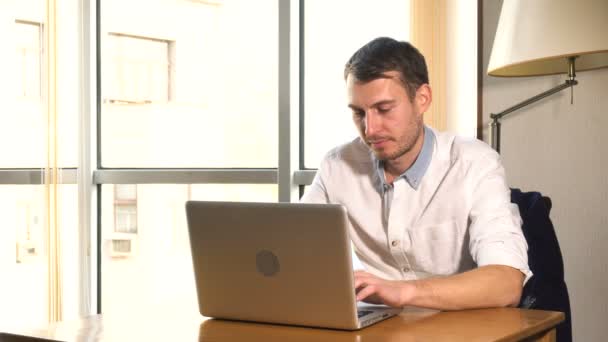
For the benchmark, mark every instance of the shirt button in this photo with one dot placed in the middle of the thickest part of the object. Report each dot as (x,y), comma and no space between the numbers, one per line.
(394,243)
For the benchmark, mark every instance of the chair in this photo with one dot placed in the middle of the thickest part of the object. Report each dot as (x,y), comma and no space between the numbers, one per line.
(546,290)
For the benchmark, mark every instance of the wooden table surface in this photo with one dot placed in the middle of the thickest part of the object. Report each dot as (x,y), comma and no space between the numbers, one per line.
(506,324)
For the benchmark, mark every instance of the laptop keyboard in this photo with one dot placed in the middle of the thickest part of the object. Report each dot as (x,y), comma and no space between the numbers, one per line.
(361,313)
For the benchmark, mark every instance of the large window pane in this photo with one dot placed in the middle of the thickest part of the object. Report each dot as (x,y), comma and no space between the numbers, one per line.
(189,83)
(22,118)
(145,246)
(38,129)
(23,91)
(23,262)
(334,30)
(23,254)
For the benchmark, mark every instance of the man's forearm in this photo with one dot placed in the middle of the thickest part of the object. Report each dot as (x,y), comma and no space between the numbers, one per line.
(487,286)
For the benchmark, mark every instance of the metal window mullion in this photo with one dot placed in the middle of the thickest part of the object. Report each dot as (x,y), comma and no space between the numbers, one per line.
(288,90)
(185,176)
(22,176)
(304,177)
(88,266)
(95,69)
(34,176)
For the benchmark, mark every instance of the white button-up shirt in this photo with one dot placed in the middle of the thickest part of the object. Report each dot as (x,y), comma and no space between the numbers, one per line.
(454,218)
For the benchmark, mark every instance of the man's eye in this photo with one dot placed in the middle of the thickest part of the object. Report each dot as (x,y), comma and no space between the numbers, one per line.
(358,114)
(384,109)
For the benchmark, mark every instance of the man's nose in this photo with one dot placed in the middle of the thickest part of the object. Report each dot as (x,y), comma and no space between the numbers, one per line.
(371,123)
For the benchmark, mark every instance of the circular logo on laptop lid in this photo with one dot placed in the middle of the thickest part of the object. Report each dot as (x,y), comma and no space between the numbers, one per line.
(267,263)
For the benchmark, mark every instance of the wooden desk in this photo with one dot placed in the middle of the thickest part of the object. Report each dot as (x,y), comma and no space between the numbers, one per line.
(412,325)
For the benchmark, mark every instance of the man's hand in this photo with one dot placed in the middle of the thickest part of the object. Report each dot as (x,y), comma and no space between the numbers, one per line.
(374,290)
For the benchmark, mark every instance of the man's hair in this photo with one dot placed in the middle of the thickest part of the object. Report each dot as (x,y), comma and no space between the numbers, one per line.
(381,55)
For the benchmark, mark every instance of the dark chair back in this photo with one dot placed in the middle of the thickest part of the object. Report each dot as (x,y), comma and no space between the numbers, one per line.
(546,290)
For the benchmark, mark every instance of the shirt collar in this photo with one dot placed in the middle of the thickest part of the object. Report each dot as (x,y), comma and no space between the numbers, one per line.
(413,175)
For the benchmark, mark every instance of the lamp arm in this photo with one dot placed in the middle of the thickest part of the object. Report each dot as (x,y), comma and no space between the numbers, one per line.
(495,124)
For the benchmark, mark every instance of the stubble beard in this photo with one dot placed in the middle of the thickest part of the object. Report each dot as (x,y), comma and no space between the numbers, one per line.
(405,143)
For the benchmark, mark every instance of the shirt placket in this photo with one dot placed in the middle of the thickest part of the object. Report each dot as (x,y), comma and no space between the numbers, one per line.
(398,241)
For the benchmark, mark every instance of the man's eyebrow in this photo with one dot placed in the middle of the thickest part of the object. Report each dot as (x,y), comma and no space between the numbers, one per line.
(384,102)
(377,104)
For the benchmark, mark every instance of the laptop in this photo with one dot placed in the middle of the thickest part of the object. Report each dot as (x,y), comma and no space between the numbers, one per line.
(285,263)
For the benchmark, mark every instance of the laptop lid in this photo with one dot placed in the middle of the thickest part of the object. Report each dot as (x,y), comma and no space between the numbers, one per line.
(286,263)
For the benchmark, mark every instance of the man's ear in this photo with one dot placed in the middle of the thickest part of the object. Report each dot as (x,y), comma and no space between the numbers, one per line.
(424,97)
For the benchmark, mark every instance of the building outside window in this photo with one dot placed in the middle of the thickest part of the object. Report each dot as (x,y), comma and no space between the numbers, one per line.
(138,70)
(29,58)
(125,208)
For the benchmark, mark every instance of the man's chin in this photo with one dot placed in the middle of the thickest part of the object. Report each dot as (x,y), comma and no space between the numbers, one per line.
(380,155)
(384,155)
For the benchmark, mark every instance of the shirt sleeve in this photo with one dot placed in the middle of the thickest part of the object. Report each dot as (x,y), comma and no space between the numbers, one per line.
(317,191)
(495,231)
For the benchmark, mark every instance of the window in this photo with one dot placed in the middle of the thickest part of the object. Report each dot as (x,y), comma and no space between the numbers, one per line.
(139,70)
(29,231)
(121,246)
(123,240)
(29,53)
(22,259)
(190,99)
(208,79)
(24,253)
(218,68)
(23,80)
(40,92)
(155,265)
(125,208)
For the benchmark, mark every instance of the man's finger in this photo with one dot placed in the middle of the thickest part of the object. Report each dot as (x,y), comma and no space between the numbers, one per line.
(366,292)
(363,281)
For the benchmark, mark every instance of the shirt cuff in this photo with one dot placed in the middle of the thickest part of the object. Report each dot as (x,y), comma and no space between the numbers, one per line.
(498,255)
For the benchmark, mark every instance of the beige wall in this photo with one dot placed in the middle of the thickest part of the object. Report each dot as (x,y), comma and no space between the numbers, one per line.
(461,62)
(445,31)
(559,149)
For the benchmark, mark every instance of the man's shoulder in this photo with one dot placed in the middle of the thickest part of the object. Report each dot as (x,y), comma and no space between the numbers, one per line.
(352,151)
(461,148)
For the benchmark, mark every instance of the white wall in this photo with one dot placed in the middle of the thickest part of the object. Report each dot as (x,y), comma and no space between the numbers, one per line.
(558,149)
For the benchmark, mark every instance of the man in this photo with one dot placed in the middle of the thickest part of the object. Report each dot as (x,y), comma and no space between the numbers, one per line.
(430,213)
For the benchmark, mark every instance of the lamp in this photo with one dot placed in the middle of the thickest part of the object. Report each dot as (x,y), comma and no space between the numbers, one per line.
(547,37)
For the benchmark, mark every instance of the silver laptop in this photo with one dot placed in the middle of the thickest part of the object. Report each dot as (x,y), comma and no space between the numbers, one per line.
(286,263)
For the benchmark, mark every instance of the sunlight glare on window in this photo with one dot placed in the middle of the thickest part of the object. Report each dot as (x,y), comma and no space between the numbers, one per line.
(200,90)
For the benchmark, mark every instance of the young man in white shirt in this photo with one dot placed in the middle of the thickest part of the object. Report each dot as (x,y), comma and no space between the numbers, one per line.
(430,213)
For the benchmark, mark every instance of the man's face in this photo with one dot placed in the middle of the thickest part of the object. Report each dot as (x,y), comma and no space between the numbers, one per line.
(388,122)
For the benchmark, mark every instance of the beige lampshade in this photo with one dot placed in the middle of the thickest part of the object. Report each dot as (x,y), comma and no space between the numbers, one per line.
(535,37)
